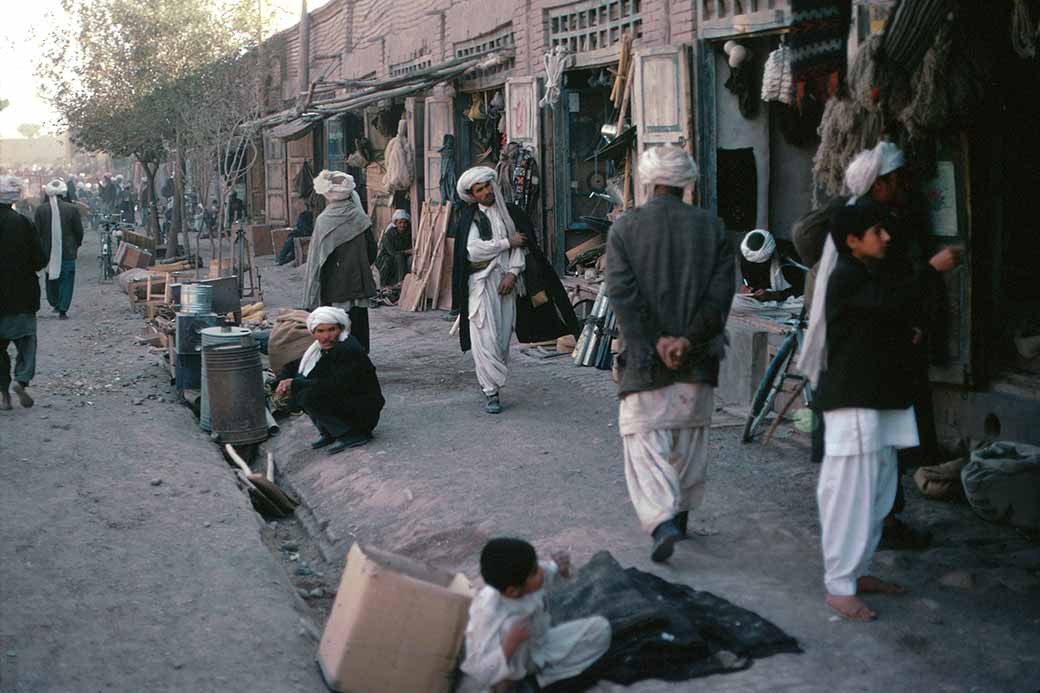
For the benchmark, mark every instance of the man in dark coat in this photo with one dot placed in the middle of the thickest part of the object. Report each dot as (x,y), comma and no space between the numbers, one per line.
(670,280)
(501,281)
(335,383)
(303,229)
(60,230)
(21,257)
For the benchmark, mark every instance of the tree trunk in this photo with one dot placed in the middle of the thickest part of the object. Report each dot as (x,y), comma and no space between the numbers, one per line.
(150,170)
(172,241)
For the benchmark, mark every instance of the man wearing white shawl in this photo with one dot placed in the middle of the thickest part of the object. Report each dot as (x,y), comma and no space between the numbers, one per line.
(768,275)
(334,382)
(670,279)
(61,234)
(341,253)
(20,259)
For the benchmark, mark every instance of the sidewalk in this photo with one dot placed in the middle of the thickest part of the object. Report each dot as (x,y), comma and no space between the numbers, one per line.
(129,560)
(441,476)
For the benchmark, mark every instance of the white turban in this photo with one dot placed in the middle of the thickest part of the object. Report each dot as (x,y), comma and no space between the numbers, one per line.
(56,187)
(10,189)
(871,164)
(764,253)
(325,315)
(667,165)
(401,214)
(334,185)
(473,176)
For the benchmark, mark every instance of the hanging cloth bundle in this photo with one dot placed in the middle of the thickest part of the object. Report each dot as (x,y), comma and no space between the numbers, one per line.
(777,84)
(556,61)
(1024,31)
(400,161)
(819,33)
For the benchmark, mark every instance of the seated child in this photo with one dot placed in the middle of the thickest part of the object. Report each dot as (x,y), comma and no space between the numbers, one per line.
(509,635)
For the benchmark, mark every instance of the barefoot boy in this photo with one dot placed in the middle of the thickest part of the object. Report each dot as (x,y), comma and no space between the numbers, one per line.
(509,635)
(865,394)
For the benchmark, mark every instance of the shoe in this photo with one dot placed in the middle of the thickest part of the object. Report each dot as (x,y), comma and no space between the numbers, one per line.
(5,401)
(665,536)
(899,536)
(681,520)
(322,442)
(493,406)
(349,441)
(62,315)
(23,397)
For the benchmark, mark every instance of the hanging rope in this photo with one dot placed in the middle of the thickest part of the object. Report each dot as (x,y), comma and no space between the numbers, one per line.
(556,61)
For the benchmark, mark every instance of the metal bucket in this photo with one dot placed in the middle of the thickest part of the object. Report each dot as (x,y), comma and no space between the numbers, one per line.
(212,336)
(236,392)
(196,298)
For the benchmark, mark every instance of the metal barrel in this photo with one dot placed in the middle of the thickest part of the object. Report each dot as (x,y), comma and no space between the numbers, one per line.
(212,336)
(196,298)
(236,392)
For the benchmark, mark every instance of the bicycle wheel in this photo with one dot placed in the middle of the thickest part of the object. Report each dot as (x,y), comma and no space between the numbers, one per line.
(767,388)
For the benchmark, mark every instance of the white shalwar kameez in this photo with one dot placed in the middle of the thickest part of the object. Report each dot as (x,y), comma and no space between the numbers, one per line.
(665,438)
(492,317)
(857,487)
(552,653)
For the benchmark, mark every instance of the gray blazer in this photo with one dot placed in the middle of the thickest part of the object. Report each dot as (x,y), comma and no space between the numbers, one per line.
(670,272)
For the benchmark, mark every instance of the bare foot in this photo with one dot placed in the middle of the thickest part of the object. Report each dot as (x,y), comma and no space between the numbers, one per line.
(850,607)
(5,401)
(869,583)
(23,397)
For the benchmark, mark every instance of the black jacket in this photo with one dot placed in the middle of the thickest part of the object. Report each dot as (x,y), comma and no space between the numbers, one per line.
(71,228)
(21,257)
(342,384)
(869,338)
(541,323)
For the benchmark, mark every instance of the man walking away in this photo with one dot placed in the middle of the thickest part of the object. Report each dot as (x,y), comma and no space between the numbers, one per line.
(20,259)
(341,253)
(670,279)
(61,234)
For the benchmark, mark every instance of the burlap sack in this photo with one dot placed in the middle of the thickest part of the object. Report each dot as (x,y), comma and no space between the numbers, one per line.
(942,481)
(289,338)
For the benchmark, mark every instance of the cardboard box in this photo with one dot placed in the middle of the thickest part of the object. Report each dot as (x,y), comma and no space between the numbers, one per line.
(278,237)
(131,256)
(397,625)
(260,237)
(302,247)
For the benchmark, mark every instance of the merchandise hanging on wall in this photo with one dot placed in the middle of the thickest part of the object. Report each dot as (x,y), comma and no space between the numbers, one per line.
(818,37)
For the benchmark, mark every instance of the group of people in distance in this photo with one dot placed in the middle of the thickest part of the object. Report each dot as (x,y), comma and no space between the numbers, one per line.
(671,281)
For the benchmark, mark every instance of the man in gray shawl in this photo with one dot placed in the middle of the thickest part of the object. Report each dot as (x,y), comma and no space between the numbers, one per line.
(341,253)
(670,278)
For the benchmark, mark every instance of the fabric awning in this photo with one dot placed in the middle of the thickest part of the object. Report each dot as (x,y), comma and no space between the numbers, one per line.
(294,129)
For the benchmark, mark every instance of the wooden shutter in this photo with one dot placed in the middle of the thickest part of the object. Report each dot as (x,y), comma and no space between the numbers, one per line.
(661,101)
(298,151)
(439,120)
(522,118)
(257,186)
(274,168)
(413,113)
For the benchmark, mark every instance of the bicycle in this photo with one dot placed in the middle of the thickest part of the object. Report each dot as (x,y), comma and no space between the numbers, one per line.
(109,234)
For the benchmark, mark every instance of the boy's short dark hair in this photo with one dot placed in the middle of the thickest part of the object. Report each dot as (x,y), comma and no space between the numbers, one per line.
(507,562)
(856,220)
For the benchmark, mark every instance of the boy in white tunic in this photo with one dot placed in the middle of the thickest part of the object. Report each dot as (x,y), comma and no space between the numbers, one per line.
(510,636)
(865,392)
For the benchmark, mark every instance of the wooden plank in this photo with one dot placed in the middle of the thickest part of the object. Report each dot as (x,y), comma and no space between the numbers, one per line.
(436,269)
(594,242)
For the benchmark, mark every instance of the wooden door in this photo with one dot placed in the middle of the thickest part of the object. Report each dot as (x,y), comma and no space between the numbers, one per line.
(439,120)
(257,200)
(413,113)
(661,101)
(299,151)
(277,207)
(522,118)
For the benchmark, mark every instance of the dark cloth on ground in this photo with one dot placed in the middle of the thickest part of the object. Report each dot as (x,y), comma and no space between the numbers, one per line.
(670,271)
(661,630)
(346,275)
(869,338)
(59,291)
(25,363)
(71,228)
(392,261)
(544,313)
(21,257)
(342,385)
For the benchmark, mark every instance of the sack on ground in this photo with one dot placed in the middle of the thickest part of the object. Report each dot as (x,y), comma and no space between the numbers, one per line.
(1002,484)
(289,338)
(941,481)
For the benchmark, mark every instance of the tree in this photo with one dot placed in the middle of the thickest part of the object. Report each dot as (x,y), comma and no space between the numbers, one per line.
(4,103)
(29,130)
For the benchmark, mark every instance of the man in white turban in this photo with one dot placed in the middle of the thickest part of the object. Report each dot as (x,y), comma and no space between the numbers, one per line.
(341,253)
(881,176)
(501,282)
(767,274)
(670,279)
(20,259)
(61,234)
(334,382)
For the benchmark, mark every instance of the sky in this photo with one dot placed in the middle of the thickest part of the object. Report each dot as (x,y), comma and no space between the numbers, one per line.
(20,22)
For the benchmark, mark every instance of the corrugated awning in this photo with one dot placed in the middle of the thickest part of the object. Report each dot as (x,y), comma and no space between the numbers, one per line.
(292,130)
